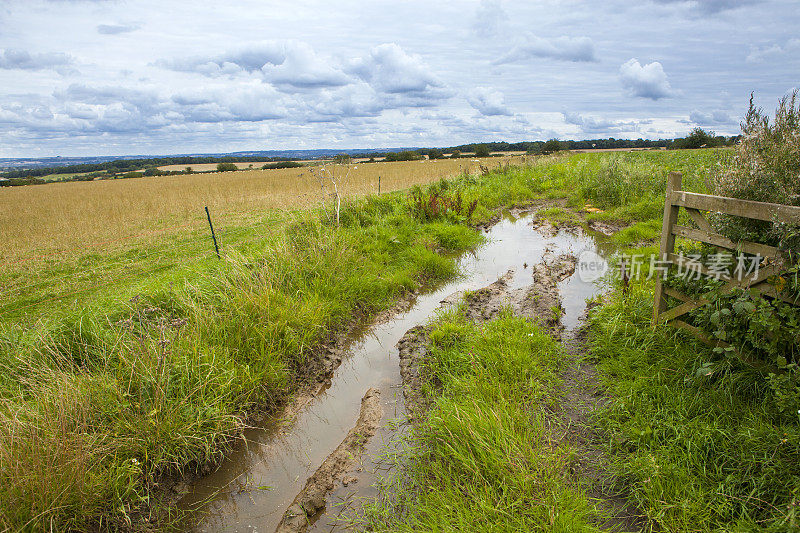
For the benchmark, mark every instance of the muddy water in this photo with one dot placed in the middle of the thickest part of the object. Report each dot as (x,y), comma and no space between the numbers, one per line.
(257,482)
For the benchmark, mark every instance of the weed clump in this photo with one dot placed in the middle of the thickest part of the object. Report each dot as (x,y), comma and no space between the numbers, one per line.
(437,204)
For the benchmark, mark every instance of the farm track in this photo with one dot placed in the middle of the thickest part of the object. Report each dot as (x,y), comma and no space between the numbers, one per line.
(295,451)
(571,420)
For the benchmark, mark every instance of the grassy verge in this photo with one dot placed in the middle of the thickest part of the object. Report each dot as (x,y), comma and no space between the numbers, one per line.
(699,440)
(99,401)
(151,376)
(483,459)
(702,446)
(96,405)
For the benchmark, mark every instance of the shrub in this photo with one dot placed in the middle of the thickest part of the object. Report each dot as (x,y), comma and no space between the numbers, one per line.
(434,205)
(699,138)
(226,167)
(282,164)
(405,155)
(481,150)
(766,168)
(553,145)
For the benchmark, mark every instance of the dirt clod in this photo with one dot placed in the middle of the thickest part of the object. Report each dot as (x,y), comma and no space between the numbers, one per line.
(311,499)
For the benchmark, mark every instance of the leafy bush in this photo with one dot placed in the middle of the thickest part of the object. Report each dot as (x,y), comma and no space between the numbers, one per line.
(553,145)
(699,138)
(481,150)
(226,167)
(406,155)
(766,168)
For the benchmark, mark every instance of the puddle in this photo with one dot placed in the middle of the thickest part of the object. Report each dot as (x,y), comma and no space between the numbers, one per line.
(259,479)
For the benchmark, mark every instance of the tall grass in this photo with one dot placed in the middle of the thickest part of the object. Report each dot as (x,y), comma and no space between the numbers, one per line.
(701,447)
(484,458)
(97,405)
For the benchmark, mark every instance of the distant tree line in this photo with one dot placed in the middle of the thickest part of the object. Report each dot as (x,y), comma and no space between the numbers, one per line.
(127,165)
(134,168)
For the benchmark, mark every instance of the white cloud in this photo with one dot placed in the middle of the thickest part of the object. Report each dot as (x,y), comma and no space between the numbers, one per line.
(288,63)
(716,117)
(490,19)
(596,126)
(488,102)
(11,58)
(648,81)
(710,7)
(116,29)
(773,51)
(390,70)
(577,49)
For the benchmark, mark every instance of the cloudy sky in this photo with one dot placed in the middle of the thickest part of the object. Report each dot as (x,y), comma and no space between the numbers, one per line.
(117,77)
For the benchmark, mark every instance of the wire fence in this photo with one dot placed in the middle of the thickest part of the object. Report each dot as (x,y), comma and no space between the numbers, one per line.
(181,246)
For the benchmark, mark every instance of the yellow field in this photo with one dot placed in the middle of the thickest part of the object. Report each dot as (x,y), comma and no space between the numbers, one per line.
(42,219)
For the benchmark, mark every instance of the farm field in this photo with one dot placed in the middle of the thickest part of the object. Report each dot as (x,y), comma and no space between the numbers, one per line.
(59,217)
(137,359)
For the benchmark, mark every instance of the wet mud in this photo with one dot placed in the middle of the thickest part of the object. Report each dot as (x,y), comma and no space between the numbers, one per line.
(263,485)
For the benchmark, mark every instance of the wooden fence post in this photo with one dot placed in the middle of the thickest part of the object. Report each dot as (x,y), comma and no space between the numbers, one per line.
(674,183)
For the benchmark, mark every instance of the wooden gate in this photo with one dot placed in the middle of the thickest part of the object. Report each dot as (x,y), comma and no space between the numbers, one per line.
(772,260)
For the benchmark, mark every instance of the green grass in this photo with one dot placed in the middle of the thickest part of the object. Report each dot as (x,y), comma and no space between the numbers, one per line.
(699,440)
(556,216)
(96,404)
(484,458)
(700,452)
(104,388)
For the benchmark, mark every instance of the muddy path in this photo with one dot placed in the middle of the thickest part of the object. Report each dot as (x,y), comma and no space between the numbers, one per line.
(571,418)
(269,468)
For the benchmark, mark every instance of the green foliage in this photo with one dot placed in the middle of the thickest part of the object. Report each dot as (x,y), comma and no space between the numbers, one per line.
(282,164)
(699,447)
(226,167)
(761,330)
(551,146)
(765,169)
(432,205)
(342,159)
(481,150)
(128,175)
(699,138)
(406,155)
(482,459)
